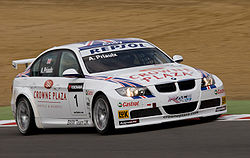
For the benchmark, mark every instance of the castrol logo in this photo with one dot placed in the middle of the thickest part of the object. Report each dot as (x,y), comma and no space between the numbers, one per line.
(48,84)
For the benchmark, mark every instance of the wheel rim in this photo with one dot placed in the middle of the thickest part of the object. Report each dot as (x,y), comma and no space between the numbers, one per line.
(101,114)
(23,116)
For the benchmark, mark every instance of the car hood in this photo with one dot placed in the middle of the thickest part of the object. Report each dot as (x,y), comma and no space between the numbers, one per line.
(152,74)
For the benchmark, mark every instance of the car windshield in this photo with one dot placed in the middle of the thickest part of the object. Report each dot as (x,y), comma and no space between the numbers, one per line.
(124,59)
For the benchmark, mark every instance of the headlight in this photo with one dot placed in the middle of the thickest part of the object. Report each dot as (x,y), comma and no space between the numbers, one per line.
(133,91)
(207,81)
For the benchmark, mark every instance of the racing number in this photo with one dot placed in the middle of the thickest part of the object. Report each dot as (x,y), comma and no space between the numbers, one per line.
(75,97)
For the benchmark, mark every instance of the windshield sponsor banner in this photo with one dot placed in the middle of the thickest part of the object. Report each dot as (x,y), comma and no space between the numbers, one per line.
(112,48)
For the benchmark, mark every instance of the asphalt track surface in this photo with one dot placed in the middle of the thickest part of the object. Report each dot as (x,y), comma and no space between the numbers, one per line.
(191,138)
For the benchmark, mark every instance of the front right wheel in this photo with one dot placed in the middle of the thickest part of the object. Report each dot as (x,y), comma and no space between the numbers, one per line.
(102,115)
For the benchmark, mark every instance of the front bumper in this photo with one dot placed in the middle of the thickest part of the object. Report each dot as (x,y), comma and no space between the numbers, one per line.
(168,118)
(204,103)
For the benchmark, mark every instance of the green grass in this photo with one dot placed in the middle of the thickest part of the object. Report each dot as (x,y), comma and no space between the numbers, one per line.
(5,113)
(238,106)
(234,107)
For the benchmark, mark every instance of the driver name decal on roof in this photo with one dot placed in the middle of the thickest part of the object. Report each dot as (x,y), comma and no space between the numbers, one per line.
(111,48)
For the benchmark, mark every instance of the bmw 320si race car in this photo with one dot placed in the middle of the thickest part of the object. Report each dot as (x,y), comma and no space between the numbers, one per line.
(111,84)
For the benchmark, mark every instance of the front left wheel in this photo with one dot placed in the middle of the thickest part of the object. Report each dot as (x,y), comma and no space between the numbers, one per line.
(25,117)
(102,115)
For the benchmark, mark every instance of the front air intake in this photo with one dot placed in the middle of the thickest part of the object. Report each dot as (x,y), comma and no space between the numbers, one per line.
(186,85)
(164,88)
(180,108)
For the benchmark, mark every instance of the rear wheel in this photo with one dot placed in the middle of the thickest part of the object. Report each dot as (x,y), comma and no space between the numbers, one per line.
(102,115)
(210,118)
(25,117)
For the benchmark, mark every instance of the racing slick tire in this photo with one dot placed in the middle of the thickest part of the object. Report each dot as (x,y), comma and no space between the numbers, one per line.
(210,118)
(102,115)
(25,117)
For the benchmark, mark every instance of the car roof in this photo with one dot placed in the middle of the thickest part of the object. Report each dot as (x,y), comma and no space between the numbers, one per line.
(97,43)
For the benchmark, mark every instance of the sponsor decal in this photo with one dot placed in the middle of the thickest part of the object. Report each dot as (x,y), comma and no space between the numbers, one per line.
(223,100)
(103,56)
(219,91)
(128,104)
(150,69)
(89,92)
(44,95)
(26,73)
(128,122)
(180,115)
(123,114)
(46,70)
(120,47)
(48,84)
(159,74)
(143,97)
(123,82)
(222,108)
(110,42)
(154,105)
(208,87)
(75,87)
(180,99)
(77,122)
(49,106)
(49,61)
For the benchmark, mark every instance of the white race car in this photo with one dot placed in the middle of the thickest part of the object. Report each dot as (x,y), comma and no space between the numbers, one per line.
(111,84)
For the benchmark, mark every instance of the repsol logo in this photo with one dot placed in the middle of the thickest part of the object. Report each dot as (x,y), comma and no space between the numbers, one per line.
(119,47)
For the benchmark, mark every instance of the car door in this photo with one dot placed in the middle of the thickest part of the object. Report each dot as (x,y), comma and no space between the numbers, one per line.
(48,90)
(57,96)
(74,85)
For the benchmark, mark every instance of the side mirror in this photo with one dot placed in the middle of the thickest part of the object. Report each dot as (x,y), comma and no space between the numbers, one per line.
(178,58)
(71,73)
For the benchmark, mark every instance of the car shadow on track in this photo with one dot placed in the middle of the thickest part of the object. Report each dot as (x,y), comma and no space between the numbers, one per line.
(162,126)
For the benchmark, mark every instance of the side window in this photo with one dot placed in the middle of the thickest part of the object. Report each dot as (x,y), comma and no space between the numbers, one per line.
(35,68)
(48,64)
(68,61)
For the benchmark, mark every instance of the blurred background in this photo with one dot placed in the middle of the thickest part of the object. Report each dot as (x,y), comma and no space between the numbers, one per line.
(212,35)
